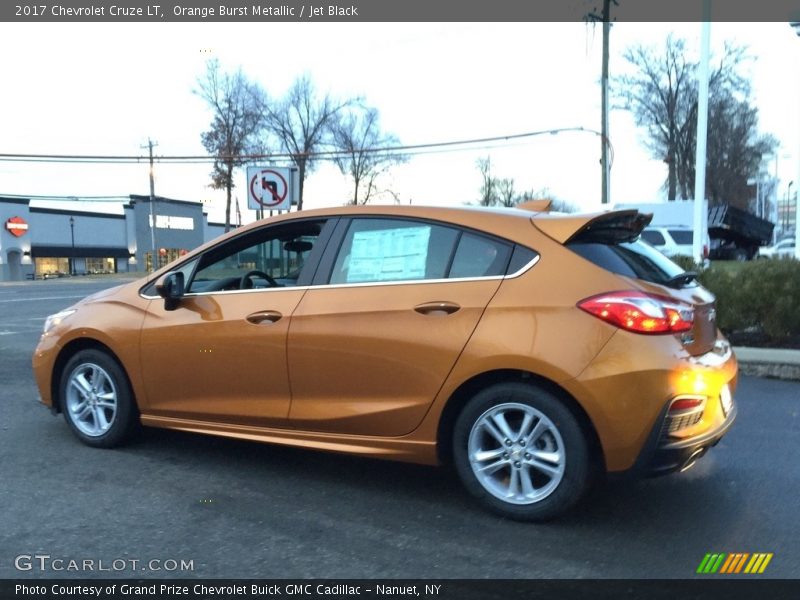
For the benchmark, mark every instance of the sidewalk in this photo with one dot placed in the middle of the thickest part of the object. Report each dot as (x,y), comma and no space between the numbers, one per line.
(769,362)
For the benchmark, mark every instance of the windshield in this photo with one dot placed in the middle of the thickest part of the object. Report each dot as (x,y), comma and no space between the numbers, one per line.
(633,259)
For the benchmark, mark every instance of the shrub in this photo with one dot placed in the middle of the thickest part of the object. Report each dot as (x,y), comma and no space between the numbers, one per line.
(686,263)
(764,295)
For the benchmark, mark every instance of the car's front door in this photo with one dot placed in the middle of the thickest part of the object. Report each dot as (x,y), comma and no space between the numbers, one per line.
(369,351)
(221,354)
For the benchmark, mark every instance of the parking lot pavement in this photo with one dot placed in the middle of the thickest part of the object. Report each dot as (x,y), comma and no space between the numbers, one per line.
(241,509)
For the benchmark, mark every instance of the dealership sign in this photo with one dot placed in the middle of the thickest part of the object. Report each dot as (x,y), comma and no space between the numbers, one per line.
(17,226)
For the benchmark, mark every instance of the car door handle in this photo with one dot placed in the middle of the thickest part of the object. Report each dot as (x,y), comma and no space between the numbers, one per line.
(270,316)
(439,308)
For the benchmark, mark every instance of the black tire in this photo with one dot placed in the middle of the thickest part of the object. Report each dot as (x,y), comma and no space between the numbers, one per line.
(537,422)
(96,399)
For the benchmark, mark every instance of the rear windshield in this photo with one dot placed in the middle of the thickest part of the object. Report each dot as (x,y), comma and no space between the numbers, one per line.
(635,259)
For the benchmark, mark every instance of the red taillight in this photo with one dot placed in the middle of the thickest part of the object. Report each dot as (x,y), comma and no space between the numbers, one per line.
(640,313)
(686,404)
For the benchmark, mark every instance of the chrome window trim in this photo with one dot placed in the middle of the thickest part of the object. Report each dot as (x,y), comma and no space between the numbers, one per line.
(526,267)
(331,286)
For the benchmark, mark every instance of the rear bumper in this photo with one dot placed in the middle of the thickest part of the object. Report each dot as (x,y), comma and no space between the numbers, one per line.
(661,456)
(627,392)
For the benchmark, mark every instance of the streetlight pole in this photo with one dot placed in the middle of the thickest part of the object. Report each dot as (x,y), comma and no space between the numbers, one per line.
(796,26)
(72,235)
(700,218)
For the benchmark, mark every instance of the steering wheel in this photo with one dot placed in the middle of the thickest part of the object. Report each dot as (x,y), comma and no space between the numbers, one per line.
(245,283)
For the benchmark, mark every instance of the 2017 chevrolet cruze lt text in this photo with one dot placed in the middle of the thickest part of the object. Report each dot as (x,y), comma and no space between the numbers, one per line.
(532,351)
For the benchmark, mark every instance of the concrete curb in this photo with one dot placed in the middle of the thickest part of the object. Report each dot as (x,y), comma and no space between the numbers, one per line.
(769,362)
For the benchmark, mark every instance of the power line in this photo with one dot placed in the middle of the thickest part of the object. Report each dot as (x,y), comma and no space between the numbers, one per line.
(323,154)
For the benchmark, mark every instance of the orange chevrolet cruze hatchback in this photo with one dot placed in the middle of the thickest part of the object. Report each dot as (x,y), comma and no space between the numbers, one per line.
(532,351)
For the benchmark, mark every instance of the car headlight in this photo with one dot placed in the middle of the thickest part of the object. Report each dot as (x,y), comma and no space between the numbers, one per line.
(56,319)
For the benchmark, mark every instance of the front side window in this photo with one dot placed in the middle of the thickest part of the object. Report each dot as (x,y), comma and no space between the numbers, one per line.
(265,258)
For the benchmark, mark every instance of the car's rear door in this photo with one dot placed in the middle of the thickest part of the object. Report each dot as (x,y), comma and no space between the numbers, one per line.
(370,347)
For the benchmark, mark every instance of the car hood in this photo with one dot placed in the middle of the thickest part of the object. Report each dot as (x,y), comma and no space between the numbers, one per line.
(615,225)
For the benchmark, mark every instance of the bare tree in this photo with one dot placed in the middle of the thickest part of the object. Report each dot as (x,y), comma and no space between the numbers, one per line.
(735,151)
(301,123)
(506,195)
(663,96)
(488,190)
(660,98)
(236,104)
(358,136)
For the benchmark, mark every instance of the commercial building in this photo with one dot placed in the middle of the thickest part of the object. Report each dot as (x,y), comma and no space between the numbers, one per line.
(44,242)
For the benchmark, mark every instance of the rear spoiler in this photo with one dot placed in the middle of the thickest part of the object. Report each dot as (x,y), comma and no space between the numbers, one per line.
(608,227)
(536,205)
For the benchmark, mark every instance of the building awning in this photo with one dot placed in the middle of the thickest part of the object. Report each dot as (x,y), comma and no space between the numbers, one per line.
(79,252)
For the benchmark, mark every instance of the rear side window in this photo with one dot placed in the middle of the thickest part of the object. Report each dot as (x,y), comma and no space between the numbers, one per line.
(384,250)
(479,256)
(682,236)
(653,237)
(376,250)
(631,259)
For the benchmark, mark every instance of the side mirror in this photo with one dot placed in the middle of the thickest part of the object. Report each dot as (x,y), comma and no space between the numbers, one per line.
(171,288)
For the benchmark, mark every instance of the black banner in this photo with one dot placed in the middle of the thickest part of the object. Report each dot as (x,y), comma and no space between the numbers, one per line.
(393,10)
(389,589)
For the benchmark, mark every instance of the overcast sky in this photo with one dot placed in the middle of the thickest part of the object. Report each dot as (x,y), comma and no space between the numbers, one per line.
(105,88)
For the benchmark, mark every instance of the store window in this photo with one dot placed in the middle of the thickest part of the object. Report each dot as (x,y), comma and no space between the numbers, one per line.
(100,266)
(165,256)
(52,266)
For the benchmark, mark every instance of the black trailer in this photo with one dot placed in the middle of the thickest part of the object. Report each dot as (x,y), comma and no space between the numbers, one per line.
(735,233)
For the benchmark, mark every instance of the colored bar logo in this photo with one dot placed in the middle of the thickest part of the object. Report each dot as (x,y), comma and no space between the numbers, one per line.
(736,562)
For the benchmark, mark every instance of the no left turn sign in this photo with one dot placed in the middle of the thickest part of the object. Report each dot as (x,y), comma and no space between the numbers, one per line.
(269,188)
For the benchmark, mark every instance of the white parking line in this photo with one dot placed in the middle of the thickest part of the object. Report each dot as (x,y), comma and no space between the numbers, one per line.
(42,298)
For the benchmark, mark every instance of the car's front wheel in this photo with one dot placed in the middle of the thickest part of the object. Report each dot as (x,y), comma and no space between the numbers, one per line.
(96,399)
(521,452)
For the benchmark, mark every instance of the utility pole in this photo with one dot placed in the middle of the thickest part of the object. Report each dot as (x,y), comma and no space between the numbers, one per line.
(605,17)
(149,146)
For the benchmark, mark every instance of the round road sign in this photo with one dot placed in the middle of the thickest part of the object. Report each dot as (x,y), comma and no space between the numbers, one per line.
(269,188)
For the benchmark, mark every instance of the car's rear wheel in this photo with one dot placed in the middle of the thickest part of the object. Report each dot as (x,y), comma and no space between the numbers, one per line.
(521,452)
(96,399)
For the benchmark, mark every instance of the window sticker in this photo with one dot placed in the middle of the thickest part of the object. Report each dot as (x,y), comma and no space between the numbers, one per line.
(389,254)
